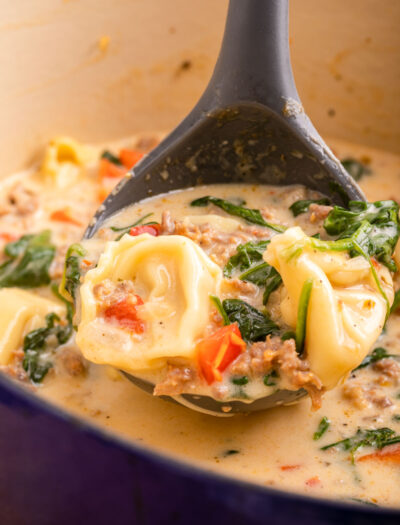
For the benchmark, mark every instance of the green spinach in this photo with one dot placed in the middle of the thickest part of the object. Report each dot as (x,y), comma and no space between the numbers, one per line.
(355,168)
(126,229)
(250,215)
(39,345)
(245,257)
(302,311)
(72,269)
(28,262)
(240,381)
(217,302)
(396,302)
(253,324)
(263,275)
(269,379)
(376,355)
(377,438)
(373,227)
(322,428)
(111,157)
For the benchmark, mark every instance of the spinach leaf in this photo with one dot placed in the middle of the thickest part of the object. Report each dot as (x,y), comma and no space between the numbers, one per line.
(126,229)
(302,206)
(40,343)
(257,274)
(69,307)
(353,245)
(302,311)
(322,428)
(246,256)
(111,157)
(376,355)
(253,324)
(269,379)
(396,302)
(28,262)
(250,215)
(263,275)
(373,226)
(377,438)
(288,335)
(240,381)
(217,302)
(72,269)
(355,168)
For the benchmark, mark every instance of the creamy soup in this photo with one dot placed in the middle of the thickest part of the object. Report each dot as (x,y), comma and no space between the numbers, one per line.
(287,447)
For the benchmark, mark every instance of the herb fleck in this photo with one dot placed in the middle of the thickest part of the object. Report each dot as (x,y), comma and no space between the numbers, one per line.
(250,215)
(322,428)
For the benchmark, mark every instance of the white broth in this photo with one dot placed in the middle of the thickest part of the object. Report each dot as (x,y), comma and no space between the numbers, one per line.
(274,448)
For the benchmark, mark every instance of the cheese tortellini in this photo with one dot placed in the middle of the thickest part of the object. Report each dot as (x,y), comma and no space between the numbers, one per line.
(173,277)
(346,313)
(21,312)
(64,159)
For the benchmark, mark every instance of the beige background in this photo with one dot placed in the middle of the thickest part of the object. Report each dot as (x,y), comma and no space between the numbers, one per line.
(56,77)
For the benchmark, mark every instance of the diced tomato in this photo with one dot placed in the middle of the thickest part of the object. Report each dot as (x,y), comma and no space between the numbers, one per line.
(375,263)
(102,194)
(313,482)
(125,313)
(109,169)
(389,454)
(152,229)
(129,157)
(64,216)
(290,467)
(8,237)
(216,352)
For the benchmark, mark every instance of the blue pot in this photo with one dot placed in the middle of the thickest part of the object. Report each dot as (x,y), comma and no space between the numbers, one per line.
(57,469)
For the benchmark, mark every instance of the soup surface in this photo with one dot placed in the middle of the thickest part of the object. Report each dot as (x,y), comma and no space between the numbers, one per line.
(287,447)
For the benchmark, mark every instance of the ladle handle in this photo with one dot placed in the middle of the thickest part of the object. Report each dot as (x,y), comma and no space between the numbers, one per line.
(254,60)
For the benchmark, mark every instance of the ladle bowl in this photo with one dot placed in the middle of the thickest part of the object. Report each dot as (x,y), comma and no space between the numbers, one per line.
(249,126)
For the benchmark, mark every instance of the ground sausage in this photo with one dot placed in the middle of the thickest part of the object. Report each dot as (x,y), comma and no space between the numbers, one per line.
(179,379)
(275,354)
(362,395)
(20,201)
(389,368)
(108,292)
(319,212)
(71,361)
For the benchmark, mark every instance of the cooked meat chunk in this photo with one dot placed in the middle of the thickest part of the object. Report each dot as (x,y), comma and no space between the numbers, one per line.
(71,361)
(217,244)
(275,354)
(167,223)
(109,292)
(14,369)
(20,201)
(177,381)
(244,287)
(363,395)
(319,212)
(390,369)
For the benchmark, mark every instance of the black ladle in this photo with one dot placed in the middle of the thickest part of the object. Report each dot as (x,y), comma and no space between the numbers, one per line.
(248,126)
